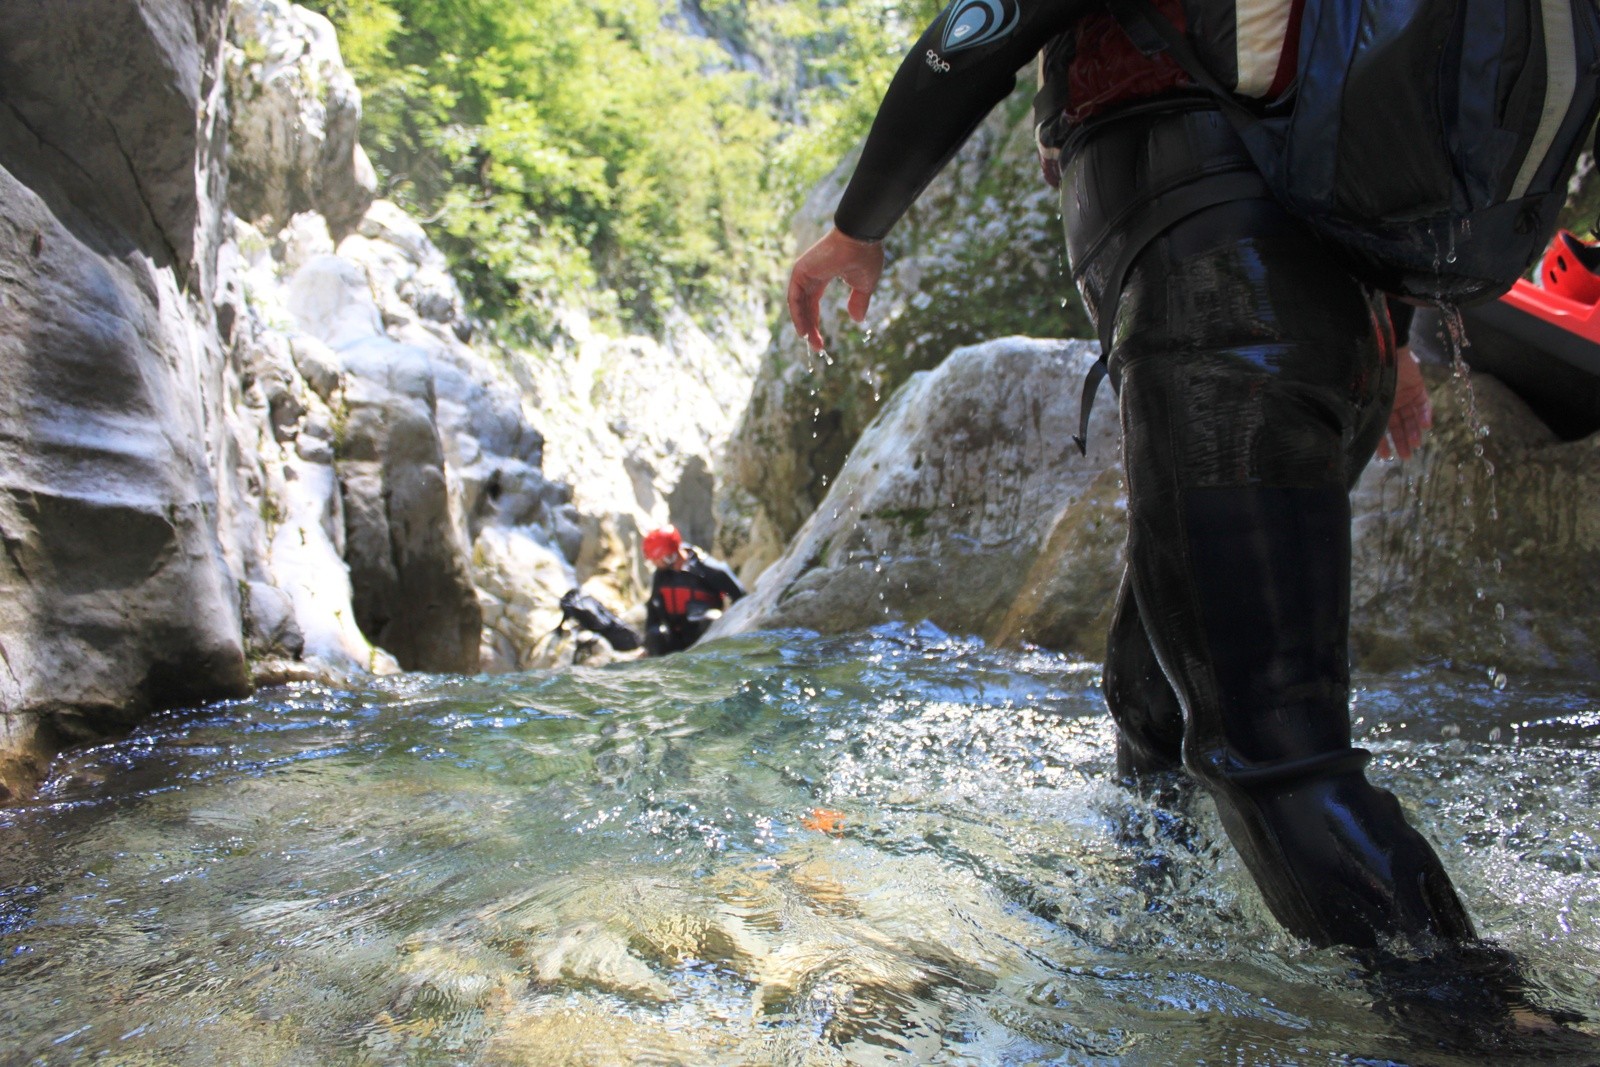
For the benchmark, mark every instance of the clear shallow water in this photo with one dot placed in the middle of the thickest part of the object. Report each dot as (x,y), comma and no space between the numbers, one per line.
(887,848)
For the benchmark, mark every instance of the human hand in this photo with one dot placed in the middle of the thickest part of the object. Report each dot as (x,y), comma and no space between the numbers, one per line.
(858,263)
(1412,412)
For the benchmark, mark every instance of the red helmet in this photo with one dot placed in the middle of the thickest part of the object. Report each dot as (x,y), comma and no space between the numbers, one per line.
(663,544)
(1569,269)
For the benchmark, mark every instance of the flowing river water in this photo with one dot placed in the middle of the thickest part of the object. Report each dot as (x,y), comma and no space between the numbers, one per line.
(891,847)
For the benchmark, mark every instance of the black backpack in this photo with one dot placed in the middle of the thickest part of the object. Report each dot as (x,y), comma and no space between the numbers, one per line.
(1429,141)
(581,608)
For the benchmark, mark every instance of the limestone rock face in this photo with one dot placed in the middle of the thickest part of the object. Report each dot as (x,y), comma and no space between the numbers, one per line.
(425,448)
(116,591)
(965,503)
(294,138)
(413,591)
(108,107)
(254,445)
(979,256)
(638,426)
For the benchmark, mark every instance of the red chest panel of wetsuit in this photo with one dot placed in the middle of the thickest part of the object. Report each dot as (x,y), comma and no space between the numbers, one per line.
(679,589)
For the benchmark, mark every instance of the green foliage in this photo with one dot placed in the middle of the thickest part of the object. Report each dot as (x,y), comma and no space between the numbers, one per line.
(636,151)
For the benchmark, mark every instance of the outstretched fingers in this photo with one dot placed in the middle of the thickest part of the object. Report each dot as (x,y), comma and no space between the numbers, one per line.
(858,263)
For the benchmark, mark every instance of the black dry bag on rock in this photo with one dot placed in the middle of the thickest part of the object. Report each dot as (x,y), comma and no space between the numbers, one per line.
(1430,142)
(583,609)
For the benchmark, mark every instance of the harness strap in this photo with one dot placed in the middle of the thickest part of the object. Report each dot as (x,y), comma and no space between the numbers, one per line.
(1161,215)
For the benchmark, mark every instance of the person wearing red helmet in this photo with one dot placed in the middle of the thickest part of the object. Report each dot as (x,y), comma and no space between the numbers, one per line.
(687,594)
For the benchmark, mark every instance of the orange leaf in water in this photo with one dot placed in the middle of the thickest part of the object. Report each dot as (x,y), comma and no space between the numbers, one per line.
(824,821)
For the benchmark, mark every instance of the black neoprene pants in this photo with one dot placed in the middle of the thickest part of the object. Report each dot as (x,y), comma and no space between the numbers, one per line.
(1255,379)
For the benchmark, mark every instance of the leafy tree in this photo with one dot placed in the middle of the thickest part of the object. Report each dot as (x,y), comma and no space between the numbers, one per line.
(641,151)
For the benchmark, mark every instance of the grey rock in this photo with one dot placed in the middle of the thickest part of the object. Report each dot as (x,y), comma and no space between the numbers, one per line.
(409,569)
(979,256)
(313,448)
(294,142)
(318,365)
(114,594)
(1486,562)
(962,503)
(269,623)
(108,112)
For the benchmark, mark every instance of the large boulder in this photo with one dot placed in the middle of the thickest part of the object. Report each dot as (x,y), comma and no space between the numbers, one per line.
(1484,549)
(409,569)
(965,503)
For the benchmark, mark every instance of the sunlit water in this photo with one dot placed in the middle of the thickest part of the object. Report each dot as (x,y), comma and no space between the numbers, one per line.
(889,848)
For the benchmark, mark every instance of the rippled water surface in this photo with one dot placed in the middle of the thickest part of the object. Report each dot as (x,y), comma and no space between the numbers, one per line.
(887,848)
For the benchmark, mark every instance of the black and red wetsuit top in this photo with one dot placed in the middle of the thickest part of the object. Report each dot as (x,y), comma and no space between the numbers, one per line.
(675,616)
(967,61)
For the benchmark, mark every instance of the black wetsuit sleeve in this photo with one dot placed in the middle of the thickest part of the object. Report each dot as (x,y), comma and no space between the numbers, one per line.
(937,98)
(716,576)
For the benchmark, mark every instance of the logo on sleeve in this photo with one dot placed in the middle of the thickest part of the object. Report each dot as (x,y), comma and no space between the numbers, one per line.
(977,22)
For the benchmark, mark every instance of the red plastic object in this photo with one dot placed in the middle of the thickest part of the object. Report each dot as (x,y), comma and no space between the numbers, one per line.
(1546,347)
(1570,315)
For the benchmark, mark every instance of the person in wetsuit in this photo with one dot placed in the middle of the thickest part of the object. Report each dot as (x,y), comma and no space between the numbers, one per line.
(687,594)
(1255,378)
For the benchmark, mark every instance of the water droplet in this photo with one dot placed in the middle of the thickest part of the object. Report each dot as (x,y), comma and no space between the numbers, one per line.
(1494,735)
(1500,680)
(1480,592)
(1500,612)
